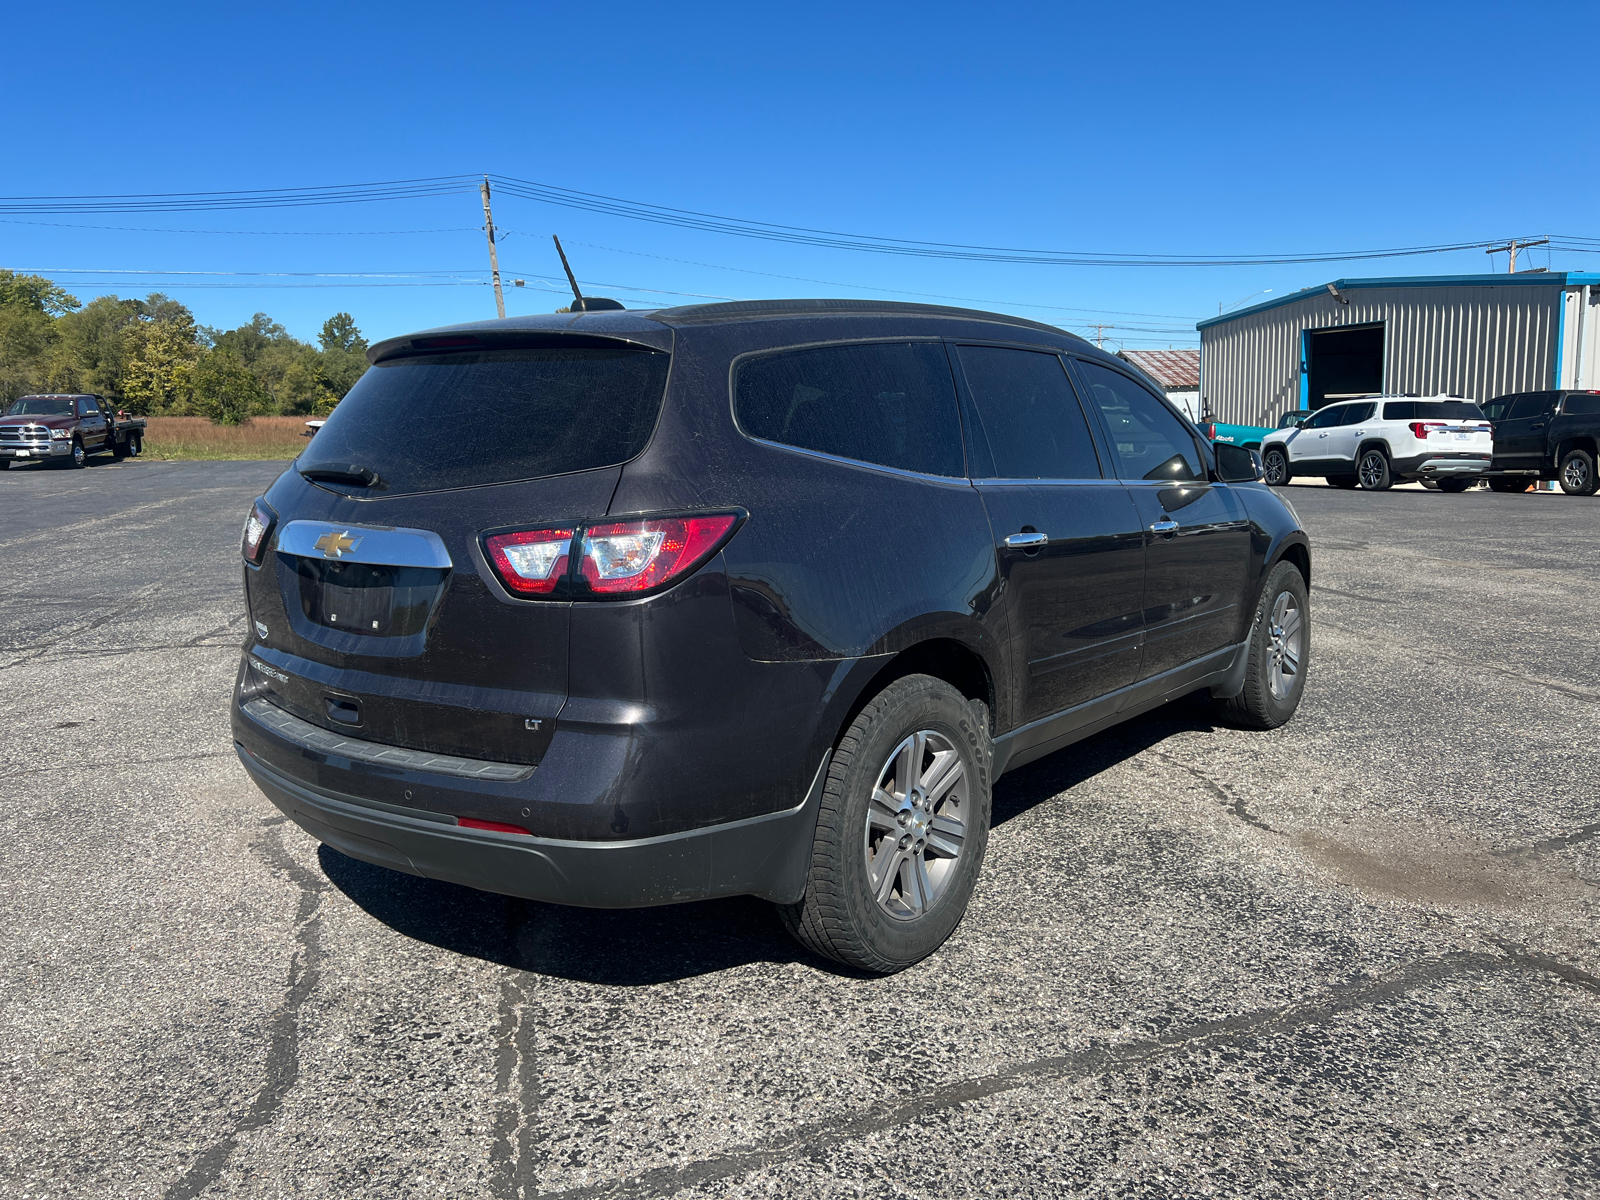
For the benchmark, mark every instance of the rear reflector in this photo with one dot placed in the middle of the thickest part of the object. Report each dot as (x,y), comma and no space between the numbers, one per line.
(530,562)
(637,556)
(491,826)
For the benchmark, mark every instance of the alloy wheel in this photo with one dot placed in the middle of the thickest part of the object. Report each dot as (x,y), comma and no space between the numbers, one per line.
(1275,468)
(1575,475)
(916,824)
(1285,632)
(1371,469)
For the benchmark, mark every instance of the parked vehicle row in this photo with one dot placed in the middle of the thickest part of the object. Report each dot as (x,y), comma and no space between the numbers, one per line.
(768,622)
(66,429)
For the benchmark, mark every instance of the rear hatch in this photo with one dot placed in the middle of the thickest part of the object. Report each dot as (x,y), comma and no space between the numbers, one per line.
(1445,427)
(374,611)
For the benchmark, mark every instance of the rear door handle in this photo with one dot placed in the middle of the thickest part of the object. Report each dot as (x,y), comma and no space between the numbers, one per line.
(1018,541)
(1540,425)
(1164,526)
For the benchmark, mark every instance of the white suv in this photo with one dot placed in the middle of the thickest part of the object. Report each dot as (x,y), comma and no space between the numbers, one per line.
(1378,441)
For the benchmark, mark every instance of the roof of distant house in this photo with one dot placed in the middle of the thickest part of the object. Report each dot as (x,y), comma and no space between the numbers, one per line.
(1175,370)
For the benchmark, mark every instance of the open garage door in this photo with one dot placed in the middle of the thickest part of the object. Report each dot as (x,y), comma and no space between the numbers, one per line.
(1344,363)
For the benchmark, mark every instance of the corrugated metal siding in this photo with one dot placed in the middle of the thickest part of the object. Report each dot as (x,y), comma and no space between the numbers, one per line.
(1470,341)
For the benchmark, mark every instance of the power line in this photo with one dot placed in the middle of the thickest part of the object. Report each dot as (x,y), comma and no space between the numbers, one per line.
(250,232)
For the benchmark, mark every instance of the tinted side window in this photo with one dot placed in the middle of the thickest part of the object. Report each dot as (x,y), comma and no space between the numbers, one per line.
(1531,404)
(1354,414)
(1028,414)
(1496,409)
(887,403)
(1581,406)
(1328,418)
(1400,410)
(1149,442)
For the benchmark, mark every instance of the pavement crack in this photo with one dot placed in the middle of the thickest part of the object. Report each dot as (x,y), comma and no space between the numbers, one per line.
(1471,664)
(820,1136)
(1352,595)
(1234,804)
(1532,961)
(282,1067)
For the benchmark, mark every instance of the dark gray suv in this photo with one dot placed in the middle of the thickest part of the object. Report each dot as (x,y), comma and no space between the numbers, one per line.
(632,608)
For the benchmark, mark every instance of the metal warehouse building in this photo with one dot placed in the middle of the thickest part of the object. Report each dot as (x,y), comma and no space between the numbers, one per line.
(1477,336)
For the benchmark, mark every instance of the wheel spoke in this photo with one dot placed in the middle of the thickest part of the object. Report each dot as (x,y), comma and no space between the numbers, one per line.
(1290,624)
(941,776)
(886,869)
(1291,663)
(884,810)
(947,836)
(909,765)
(919,895)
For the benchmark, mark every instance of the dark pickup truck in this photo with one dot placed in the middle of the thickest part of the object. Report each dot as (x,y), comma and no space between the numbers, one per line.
(65,430)
(1545,435)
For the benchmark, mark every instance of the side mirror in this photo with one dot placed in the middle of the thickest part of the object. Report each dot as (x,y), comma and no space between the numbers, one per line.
(1235,464)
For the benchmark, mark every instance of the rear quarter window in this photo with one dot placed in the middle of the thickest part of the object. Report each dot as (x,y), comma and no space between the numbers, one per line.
(1581,406)
(891,404)
(494,416)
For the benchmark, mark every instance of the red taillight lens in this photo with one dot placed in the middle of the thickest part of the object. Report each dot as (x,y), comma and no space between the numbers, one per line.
(1208,431)
(530,562)
(636,556)
(1422,429)
(257,531)
(491,826)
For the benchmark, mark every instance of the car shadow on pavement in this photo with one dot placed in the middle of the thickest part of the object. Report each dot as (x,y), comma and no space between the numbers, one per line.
(640,947)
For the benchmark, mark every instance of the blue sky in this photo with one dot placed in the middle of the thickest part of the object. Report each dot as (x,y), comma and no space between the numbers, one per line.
(1153,128)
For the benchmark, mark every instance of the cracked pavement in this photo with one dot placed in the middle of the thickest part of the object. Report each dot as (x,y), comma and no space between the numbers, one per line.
(1352,957)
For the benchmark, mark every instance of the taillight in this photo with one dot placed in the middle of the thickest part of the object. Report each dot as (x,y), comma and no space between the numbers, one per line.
(530,562)
(636,556)
(257,531)
(1208,431)
(1421,429)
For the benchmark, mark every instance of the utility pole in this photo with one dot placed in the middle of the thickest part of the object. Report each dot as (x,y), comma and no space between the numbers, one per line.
(1099,333)
(1513,246)
(494,260)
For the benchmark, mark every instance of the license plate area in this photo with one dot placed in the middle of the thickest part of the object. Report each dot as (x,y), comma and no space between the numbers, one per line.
(367,598)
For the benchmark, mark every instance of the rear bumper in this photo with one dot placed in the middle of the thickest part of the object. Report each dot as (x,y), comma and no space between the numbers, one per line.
(765,856)
(1434,465)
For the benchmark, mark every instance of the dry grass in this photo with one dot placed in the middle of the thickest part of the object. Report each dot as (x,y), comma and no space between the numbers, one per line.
(197,438)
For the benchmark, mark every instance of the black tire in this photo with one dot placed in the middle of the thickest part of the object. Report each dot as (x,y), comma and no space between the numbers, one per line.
(1577,473)
(1276,466)
(1261,704)
(1455,486)
(119,449)
(1510,485)
(77,458)
(135,445)
(1372,469)
(839,916)
(1344,481)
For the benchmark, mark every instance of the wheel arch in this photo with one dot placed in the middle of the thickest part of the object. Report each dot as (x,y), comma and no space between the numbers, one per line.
(1581,441)
(948,658)
(1297,552)
(1374,444)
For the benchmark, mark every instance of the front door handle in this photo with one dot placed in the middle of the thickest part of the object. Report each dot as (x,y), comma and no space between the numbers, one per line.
(1021,541)
(1165,527)
(1539,425)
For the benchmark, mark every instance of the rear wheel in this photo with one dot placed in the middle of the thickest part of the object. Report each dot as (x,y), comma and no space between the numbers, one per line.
(119,449)
(902,829)
(1577,473)
(1373,471)
(1279,650)
(1343,481)
(1512,484)
(1455,485)
(1276,465)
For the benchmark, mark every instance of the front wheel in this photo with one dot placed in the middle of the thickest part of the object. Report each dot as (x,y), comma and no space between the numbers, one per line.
(1455,486)
(1276,467)
(1373,471)
(1279,650)
(1577,473)
(901,832)
(78,456)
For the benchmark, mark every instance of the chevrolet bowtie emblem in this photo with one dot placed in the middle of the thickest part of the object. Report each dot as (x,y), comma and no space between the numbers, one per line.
(334,545)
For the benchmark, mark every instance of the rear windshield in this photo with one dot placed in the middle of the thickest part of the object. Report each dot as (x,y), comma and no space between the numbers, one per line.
(493,416)
(41,406)
(1432,410)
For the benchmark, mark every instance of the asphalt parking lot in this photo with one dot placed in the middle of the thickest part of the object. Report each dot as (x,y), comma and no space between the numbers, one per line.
(1356,956)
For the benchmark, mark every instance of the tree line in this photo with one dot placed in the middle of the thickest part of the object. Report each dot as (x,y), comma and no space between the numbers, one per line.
(150,357)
